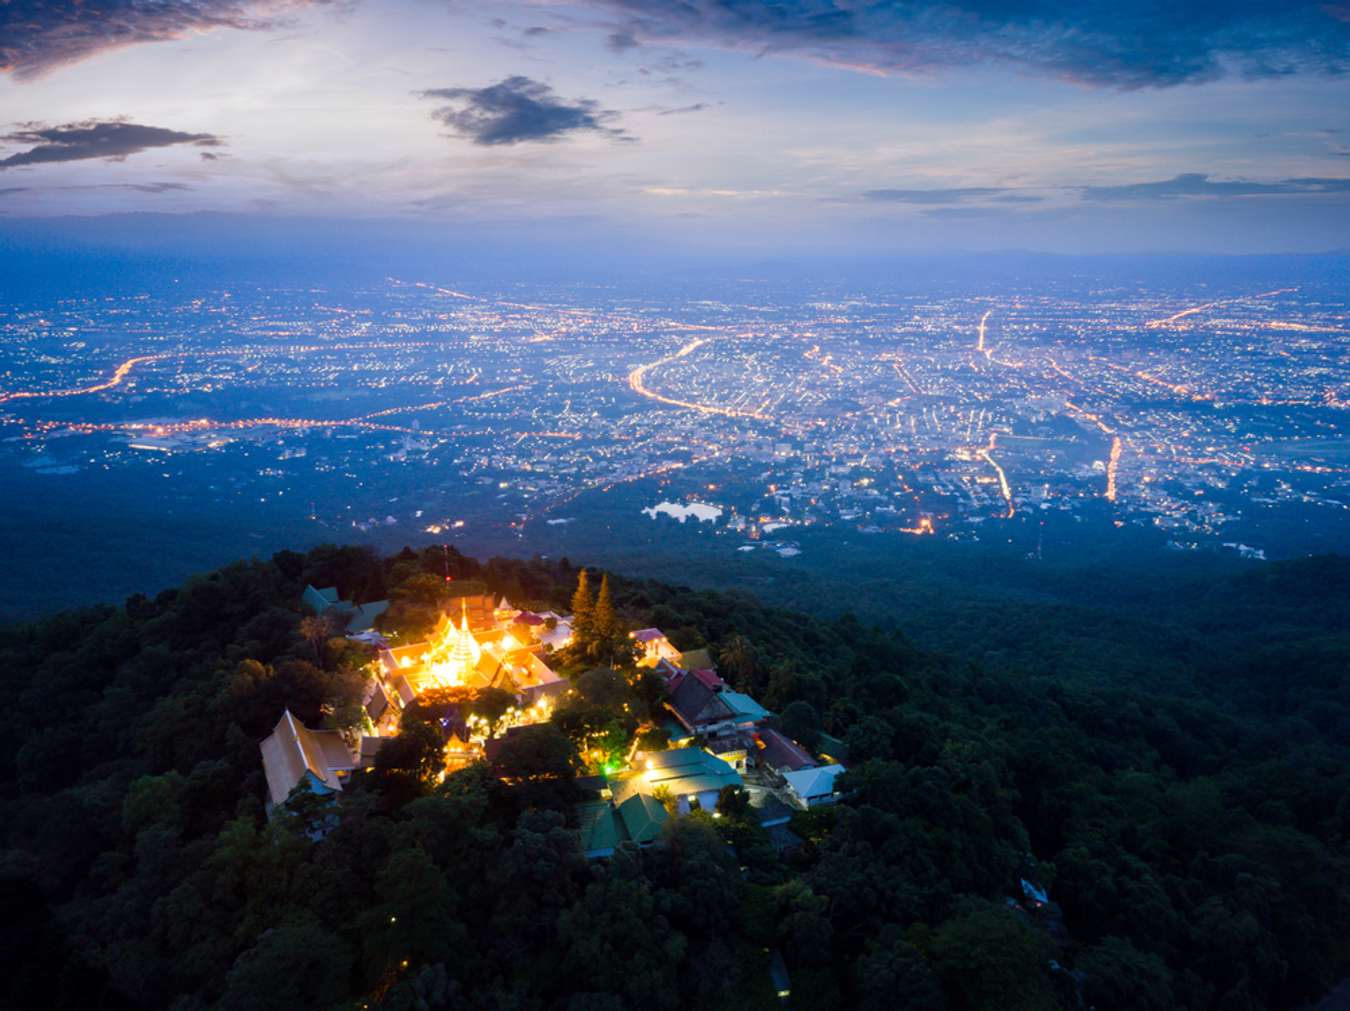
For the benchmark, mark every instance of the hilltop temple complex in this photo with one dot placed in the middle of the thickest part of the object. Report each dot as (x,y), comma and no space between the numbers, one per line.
(717,737)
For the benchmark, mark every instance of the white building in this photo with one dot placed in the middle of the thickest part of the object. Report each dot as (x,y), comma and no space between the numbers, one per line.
(812,787)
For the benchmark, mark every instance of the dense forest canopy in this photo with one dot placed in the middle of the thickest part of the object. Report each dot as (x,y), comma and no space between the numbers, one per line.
(1192,827)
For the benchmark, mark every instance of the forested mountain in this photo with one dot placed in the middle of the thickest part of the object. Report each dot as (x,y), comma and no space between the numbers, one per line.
(1192,827)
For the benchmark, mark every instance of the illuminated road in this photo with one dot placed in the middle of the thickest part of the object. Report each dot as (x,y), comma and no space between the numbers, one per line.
(1117,446)
(116,379)
(1112,466)
(673,324)
(163,428)
(637,383)
(1004,489)
(123,370)
(1177,388)
(979,345)
(1195,310)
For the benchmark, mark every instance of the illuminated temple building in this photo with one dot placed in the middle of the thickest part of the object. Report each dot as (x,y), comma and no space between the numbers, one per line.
(485,645)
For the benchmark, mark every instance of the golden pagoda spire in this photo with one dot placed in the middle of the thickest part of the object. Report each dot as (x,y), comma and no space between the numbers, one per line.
(458,652)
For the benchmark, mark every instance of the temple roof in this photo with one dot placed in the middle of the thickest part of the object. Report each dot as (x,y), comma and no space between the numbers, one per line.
(292,750)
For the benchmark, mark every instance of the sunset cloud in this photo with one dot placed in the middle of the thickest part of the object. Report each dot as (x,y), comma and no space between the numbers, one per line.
(37,36)
(518,109)
(113,140)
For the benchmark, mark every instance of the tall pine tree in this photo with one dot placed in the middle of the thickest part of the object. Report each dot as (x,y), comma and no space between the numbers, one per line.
(612,643)
(583,616)
(606,624)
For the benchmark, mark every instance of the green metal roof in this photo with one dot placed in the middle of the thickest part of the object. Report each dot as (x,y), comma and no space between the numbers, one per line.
(320,599)
(600,829)
(743,706)
(643,817)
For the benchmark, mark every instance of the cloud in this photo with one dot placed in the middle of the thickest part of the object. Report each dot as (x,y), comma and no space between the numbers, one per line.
(519,109)
(963,213)
(1194,184)
(939,196)
(732,194)
(111,139)
(1123,44)
(696,107)
(37,36)
(136,187)
(157,187)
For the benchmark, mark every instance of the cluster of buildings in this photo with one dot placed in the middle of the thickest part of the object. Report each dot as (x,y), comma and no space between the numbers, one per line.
(718,737)
(489,644)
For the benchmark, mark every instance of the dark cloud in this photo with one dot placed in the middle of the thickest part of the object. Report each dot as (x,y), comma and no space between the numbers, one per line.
(940,196)
(696,107)
(137,187)
(1108,43)
(113,139)
(670,65)
(1195,184)
(621,42)
(39,35)
(157,187)
(519,109)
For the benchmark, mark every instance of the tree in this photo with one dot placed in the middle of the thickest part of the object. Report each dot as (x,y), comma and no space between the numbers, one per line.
(869,738)
(801,722)
(733,802)
(491,704)
(894,974)
(605,620)
(599,735)
(539,752)
(583,614)
(988,958)
(738,658)
(1120,977)
(344,709)
(416,919)
(417,752)
(293,966)
(616,938)
(415,605)
(315,630)
(604,687)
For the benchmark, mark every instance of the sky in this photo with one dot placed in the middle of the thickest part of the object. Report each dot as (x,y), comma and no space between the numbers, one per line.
(728,126)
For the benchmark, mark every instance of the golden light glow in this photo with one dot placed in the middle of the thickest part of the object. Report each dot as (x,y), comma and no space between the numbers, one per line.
(455,654)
